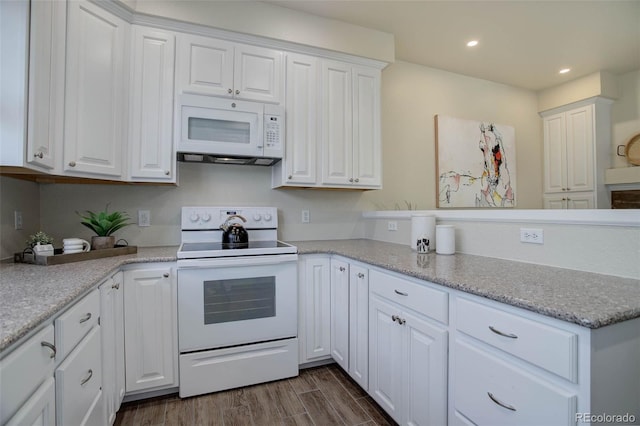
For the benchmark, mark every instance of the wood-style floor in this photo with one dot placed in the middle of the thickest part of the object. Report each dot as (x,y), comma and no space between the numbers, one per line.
(321,396)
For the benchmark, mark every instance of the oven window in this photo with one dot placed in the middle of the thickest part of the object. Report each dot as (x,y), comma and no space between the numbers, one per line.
(239,299)
(206,129)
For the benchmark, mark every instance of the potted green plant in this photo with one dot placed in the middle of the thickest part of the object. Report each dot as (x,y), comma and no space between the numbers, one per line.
(39,238)
(104,224)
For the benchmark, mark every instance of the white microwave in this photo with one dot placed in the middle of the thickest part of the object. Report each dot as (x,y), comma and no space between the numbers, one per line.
(217,130)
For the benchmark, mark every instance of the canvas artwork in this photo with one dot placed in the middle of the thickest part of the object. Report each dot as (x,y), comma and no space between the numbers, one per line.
(476,163)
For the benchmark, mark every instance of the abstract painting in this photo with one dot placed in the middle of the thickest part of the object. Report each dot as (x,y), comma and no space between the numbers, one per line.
(476,163)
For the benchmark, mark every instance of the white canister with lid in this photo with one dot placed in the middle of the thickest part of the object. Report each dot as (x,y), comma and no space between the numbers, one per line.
(446,239)
(423,232)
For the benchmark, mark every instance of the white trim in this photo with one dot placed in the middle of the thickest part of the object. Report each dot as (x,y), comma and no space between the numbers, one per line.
(584,102)
(630,217)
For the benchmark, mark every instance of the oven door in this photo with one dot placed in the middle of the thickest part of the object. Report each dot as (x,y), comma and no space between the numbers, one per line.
(233,301)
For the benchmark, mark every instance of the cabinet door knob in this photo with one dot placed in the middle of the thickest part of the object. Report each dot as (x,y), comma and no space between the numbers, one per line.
(166,275)
(360,275)
(500,403)
(39,154)
(502,333)
(351,180)
(357,180)
(395,318)
(50,346)
(237,92)
(72,163)
(290,177)
(229,91)
(116,286)
(167,172)
(342,269)
(568,189)
(86,379)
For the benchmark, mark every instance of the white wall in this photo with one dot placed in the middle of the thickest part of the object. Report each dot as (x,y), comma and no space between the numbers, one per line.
(604,248)
(412,95)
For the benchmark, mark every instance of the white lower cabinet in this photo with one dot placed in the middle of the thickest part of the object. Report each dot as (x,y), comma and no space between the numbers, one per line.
(79,382)
(150,328)
(40,409)
(340,312)
(407,355)
(314,314)
(112,324)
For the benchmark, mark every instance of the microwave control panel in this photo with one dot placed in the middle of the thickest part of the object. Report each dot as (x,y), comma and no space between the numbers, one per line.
(272,131)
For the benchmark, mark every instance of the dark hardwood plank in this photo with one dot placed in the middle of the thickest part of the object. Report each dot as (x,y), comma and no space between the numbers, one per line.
(377,414)
(285,398)
(207,409)
(238,416)
(345,380)
(304,382)
(179,412)
(298,420)
(264,410)
(126,415)
(151,412)
(319,409)
(347,407)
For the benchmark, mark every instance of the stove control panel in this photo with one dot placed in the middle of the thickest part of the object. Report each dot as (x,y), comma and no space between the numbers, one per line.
(201,218)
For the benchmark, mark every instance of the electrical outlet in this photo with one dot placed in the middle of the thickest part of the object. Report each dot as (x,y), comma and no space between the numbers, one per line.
(530,235)
(144,218)
(306,216)
(17,219)
(392,225)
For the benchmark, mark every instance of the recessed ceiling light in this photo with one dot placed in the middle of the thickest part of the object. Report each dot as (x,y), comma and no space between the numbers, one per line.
(564,70)
(472,43)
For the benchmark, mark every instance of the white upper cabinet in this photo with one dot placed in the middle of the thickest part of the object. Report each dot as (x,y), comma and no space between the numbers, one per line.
(46,83)
(95,87)
(367,147)
(577,142)
(215,67)
(151,146)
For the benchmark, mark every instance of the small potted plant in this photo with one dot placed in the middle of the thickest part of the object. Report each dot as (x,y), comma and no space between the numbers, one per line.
(39,238)
(104,224)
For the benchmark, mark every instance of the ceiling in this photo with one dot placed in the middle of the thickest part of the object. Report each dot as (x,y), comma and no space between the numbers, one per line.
(522,43)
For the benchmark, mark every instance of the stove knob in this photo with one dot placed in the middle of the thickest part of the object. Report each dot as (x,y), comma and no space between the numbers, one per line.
(194,217)
(206,217)
(267,217)
(257,217)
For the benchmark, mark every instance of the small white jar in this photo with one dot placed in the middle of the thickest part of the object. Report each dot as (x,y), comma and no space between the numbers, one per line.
(445,239)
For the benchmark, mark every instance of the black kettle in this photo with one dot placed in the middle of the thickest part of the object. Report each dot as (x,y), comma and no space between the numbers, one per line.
(234,235)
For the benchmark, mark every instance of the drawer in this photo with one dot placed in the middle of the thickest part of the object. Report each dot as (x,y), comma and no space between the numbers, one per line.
(76,322)
(425,300)
(23,370)
(547,347)
(78,381)
(485,386)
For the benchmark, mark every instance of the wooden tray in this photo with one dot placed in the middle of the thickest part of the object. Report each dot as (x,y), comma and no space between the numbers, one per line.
(58,258)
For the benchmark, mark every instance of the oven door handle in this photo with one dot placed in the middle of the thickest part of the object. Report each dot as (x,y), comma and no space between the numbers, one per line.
(221,262)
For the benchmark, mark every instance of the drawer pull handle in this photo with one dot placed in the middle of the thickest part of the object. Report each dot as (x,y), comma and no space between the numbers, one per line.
(50,346)
(401,293)
(86,318)
(500,333)
(166,275)
(89,376)
(360,275)
(502,404)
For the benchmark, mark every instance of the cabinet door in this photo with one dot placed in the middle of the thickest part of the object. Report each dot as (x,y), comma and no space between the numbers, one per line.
(46,82)
(367,151)
(580,201)
(580,149)
(426,372)
(150,312)
(385,357)
(315,314)
(112,324)
(340,312)
(40,409)
(151,138)
(337,134)
(302,120)
(204,66)
(95,107)
(258,74)
(359,325)
(555,174)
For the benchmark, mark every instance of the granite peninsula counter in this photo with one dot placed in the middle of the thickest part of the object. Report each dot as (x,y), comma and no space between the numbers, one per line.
(31,294)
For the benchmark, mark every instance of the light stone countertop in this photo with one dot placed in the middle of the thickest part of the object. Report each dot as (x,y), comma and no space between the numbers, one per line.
(32,294)
(587,299)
